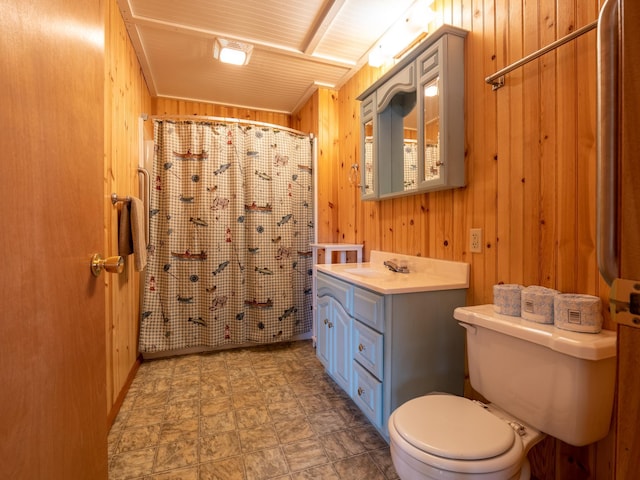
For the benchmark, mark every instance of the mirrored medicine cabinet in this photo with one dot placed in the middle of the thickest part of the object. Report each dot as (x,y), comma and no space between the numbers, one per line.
(412,121)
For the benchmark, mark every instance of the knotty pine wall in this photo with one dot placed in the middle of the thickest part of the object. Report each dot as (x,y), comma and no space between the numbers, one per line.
(126,98)
(530,156)
(530,163)
(171,106)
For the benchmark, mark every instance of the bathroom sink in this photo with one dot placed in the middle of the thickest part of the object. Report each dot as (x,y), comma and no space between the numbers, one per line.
(414,274)
(367,272)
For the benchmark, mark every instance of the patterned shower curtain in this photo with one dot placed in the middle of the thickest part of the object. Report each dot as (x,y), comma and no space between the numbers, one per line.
(231,220)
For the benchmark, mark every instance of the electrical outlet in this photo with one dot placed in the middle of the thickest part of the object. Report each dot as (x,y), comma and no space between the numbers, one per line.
(475,240)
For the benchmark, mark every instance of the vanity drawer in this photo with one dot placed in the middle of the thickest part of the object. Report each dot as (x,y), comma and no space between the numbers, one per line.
(368,307)
(337,289)
(367,348)
(367,394)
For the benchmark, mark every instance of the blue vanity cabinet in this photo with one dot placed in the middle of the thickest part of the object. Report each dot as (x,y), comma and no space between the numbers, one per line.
(333,327)
(385,349)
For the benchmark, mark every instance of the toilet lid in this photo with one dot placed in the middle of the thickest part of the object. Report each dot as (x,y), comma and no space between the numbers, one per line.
(452,427)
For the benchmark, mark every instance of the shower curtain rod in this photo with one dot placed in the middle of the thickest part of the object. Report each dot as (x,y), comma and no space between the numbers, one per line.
(229,120)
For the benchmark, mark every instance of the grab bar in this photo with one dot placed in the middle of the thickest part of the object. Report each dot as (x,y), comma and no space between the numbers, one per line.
(607,141)
(115,198)
(497,79)
(146,182)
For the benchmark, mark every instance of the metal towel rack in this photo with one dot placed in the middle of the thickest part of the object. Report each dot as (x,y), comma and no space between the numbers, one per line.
(115,198)
(497,79)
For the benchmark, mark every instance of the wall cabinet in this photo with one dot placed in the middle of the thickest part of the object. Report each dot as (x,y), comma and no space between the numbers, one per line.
(384,350)
(412,121)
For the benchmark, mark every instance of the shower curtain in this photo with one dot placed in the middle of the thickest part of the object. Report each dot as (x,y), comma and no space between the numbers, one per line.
(231,220)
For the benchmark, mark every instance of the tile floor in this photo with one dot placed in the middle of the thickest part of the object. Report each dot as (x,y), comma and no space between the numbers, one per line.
(268,412)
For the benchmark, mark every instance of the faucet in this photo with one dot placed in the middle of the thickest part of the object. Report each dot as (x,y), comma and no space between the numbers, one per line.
(394,267)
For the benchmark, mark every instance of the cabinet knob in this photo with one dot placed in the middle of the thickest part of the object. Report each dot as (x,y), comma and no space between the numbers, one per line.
(360,391)
(361,347)
(330,325)
(326,320)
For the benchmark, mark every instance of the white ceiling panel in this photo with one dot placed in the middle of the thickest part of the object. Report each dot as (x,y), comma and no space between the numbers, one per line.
(298,45)
(359,26)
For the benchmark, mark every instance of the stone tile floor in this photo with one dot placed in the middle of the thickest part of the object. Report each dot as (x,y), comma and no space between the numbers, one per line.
(267,412)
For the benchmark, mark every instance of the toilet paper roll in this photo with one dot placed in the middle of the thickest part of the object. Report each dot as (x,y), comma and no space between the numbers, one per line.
(506,299)
(578,313)
(537,304)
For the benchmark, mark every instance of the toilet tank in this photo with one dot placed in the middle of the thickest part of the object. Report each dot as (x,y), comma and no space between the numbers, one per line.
(557,381)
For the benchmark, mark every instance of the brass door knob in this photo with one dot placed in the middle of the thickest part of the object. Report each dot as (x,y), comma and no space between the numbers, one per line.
(110,264)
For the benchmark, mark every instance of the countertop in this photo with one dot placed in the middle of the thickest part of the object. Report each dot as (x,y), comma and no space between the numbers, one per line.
(425,274)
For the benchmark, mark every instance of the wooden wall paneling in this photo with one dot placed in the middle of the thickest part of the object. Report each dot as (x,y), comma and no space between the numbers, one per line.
(442,211)
(349,194)
(567,174)
(172,106)
(515,194)
(126,98)
(548,141)
(531,144)
(477,180)
(588,276)
(328,151)
(506,99)
(368,213)
(412,208)
(460,230)
(490,157)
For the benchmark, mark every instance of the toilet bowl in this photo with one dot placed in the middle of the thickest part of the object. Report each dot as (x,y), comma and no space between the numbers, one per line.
(443,436)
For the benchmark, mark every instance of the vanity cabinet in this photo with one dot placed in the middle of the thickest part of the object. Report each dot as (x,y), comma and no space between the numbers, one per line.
(333,327)
(389,348)
(412,121)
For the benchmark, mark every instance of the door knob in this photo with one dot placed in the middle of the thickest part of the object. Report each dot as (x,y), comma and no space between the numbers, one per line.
(110,264)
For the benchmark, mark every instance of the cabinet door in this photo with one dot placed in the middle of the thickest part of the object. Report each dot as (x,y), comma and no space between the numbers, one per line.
(343,358)
(324,343)
(369,145)
(441,114)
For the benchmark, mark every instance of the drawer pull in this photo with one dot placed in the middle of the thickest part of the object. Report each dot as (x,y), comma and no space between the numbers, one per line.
(360,391)
(361,347)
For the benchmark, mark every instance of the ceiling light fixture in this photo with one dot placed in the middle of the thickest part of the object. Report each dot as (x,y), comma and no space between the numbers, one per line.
(414,22)
(230,51)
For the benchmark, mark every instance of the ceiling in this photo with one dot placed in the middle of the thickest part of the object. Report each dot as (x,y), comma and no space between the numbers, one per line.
(298,46)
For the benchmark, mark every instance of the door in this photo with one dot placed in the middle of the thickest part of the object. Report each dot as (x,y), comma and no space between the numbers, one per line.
(342,355)
(324,345)
(628,411)
(52,324)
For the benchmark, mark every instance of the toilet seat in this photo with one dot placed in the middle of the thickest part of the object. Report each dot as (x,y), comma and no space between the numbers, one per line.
(455,434)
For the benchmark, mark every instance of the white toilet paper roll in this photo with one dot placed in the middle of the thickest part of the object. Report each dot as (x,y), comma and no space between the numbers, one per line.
(578,313)
(537,304)
(506,299)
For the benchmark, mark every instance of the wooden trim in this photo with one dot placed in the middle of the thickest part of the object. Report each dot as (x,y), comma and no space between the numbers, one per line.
(117,404)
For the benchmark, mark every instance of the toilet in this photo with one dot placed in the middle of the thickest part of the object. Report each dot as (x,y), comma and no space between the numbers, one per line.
(540,381)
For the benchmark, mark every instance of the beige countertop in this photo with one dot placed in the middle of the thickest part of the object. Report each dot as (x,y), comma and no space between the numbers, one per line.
(425,274)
